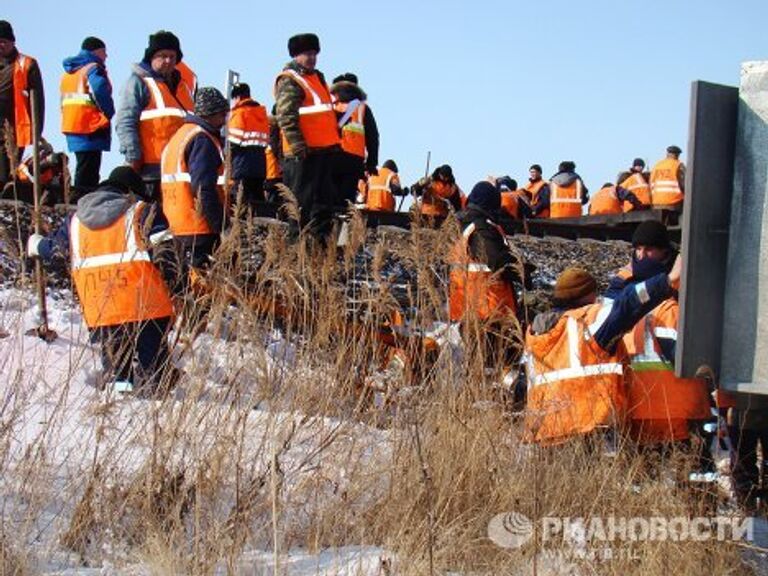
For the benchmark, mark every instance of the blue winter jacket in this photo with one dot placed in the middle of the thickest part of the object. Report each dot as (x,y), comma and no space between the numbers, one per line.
(101,89)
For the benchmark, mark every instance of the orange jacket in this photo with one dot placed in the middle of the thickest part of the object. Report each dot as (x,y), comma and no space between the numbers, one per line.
(248,124)
(665,189)
(533,189)
(565,201)
(113,274)
(317,119)
(605,201)
(22,104)
(474,287)
(660,403)
(436,199)
(162,117)
(79,112)
(378,192)
(637,184)
(353,130)
(574,386)
(179,200)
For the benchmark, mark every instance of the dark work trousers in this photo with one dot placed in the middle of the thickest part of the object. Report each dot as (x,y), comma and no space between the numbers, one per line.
(311,180)
(747,474)
(253,191)
(350,169)
(87,171)
(123,343)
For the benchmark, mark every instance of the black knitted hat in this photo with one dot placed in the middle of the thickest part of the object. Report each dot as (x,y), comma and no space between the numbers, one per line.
(651,233)
(162,40)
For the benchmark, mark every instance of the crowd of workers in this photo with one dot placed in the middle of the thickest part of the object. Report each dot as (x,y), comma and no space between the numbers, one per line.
(322,143)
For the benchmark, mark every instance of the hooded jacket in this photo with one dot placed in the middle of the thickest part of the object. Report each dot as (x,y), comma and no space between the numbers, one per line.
(346,92)
(568,178)
(101,90)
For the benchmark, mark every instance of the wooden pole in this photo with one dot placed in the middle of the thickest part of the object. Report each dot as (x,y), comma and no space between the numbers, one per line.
(43,331)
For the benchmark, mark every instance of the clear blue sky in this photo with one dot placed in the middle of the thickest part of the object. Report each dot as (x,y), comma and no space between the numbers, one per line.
(488,87)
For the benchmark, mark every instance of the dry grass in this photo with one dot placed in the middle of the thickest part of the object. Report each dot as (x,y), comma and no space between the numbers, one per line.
(187,483)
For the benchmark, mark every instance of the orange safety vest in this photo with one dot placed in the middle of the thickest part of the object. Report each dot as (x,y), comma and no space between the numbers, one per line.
(179,200)
(317,119)
(435,199)
(353,129)
(273,166)
(22,102)
(574,386)
(379,197)
(248,125)
(80,114)
(565,201)
(665,189)
(189,78)
(114,276)
(533,188)
(605,201)
(162,117)
(474,287)
(660,404)
(510,202)
(636,184)
(24,174)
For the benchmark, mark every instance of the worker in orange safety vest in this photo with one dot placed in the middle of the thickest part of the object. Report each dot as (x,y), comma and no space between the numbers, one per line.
(377,192)
(248,136)
(609,200)
(575,362)
(311,143)
(438,194)
(86,111)
(194,198)
(668,180)
(661,407)
(482,280)
(19,75)
(636,181)
(538,192)
(154,103)
(567,192)
(124,299)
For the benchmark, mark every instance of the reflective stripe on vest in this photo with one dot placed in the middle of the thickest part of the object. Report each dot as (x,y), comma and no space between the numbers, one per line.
(114,276)
(21,100)
(179,200)
(80,114)
(317,118)
(636,184)
(665,189)
(248,125)
(352,127)
(379,196)
(473,285)
(574,385)
(655,392)
(161,118)
(565,201)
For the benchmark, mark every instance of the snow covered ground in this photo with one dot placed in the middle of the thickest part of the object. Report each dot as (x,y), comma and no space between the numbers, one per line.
(57,427)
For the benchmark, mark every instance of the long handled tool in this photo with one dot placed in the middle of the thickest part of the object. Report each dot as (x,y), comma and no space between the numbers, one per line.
(42,331)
